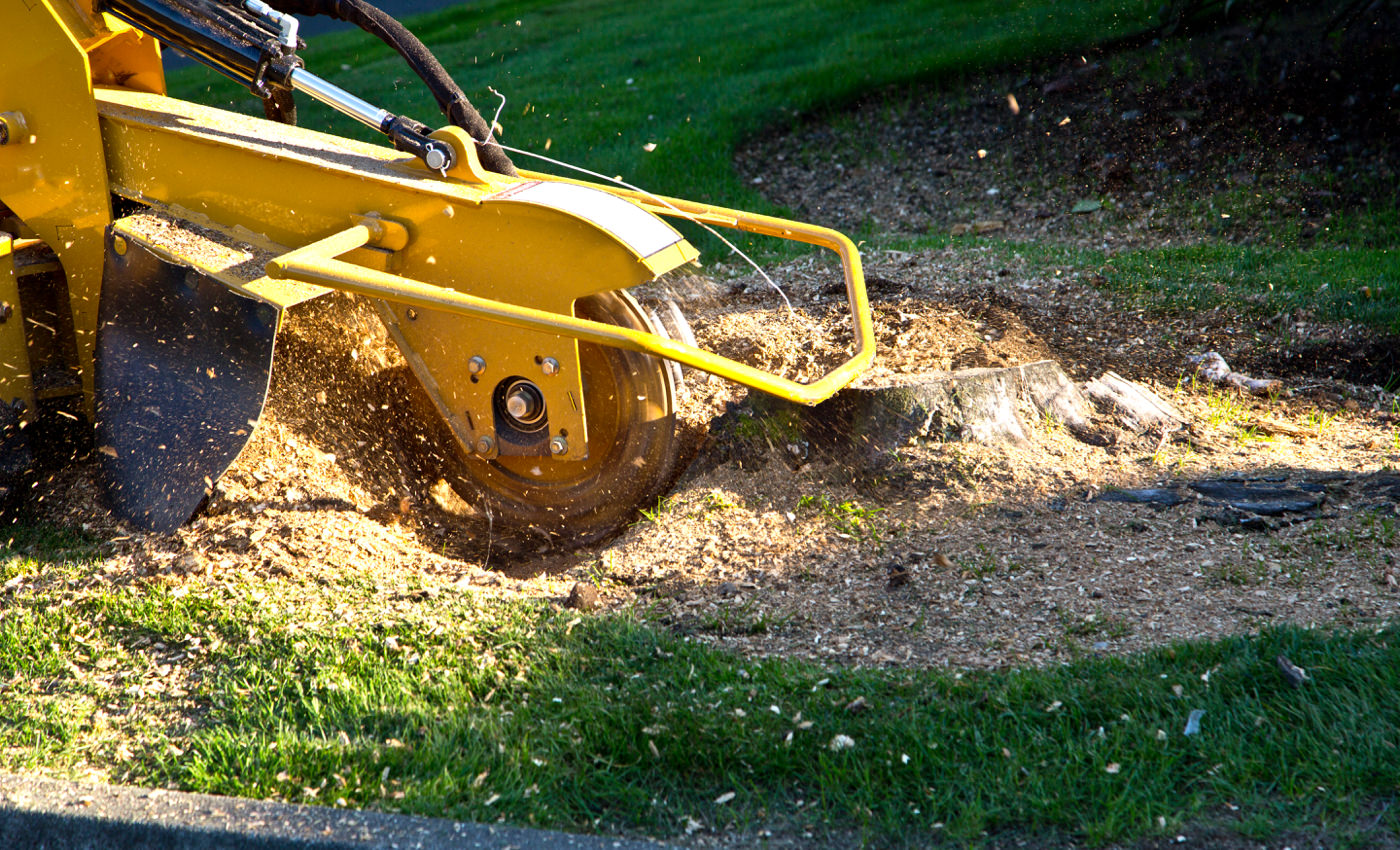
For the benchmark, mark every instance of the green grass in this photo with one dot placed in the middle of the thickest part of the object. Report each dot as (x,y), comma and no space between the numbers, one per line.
(599,80)
(850,518)
(332,694)
(1361,285)
(1324,284)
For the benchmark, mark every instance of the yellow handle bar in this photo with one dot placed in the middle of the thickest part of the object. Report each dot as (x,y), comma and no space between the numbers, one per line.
(316,263)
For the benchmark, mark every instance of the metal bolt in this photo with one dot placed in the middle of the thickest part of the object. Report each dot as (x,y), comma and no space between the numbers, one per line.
(524,405)
(412,314)
(549,366)
(485,444)
(558,446)
(436,158)
(119,245)
(476,365)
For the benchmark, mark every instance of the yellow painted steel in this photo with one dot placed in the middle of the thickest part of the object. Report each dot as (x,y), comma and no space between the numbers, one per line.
(295,185)
(125,57)
(54,176)
(316,264)
(16,382)
(224,255)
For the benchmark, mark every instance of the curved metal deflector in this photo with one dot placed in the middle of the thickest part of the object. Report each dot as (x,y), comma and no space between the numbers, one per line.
(181,376)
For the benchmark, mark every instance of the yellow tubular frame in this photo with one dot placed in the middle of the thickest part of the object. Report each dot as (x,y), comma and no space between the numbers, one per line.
(316,263)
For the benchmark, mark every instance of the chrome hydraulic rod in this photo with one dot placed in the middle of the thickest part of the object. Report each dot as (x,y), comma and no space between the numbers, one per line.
(435,154)
(340,100)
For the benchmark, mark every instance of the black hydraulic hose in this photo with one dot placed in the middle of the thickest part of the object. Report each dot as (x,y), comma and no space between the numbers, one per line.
(209,31)
(449,95)
(280,106)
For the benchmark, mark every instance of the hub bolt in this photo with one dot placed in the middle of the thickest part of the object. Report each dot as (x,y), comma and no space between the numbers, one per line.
(476,365)
(524,405)
(485,444)
(549,366)
(13,128)
(558,446)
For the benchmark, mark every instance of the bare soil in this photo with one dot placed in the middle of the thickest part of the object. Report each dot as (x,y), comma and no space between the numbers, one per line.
(1165,136)
(940,552)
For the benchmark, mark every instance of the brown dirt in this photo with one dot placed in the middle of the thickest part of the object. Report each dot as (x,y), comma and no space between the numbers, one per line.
(942,552)
(1166,137)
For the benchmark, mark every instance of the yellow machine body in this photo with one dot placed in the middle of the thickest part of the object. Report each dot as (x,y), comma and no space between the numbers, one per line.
(477,274)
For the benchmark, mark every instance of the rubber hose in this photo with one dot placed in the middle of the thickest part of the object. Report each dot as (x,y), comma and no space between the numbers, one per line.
(450,98)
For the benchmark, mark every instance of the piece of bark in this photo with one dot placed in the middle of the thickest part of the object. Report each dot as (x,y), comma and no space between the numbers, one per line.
(1292,673)
(1137,407)
(1213,368)
(1274,426)
(583,597)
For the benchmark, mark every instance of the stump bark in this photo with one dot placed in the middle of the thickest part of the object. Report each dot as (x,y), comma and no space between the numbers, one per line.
(1138,408)
(984,405)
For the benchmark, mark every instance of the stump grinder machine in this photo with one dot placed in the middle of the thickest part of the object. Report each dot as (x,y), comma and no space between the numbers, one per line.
(150,246)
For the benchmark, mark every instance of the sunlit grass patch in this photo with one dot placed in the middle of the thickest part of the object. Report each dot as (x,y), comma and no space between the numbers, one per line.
(444,703)
(1323,285)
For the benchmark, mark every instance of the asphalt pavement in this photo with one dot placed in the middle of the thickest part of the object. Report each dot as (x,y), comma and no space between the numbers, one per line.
(50,814)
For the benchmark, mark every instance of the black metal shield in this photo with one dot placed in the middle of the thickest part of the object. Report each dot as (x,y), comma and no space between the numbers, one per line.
(181,376)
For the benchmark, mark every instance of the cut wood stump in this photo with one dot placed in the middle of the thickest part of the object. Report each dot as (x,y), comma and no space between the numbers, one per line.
(1138,408)
(982,405)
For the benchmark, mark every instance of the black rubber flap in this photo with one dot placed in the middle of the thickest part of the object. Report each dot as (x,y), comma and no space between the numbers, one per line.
(182,370)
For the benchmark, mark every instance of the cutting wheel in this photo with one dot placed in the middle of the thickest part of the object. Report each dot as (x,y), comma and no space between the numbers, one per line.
(633,447)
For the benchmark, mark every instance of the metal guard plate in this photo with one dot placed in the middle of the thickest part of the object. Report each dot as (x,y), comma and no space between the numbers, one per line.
(181,376)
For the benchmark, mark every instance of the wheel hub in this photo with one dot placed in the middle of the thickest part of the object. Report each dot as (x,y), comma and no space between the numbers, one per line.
(535,486)
(524,404)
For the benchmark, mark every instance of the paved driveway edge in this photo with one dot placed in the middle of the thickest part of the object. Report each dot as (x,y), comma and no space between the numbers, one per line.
(50,814)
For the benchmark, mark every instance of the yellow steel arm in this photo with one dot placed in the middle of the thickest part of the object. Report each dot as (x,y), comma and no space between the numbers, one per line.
(316,263)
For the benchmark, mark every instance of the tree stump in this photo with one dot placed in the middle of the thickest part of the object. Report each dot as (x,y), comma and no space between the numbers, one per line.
(1138,408)
(982,405)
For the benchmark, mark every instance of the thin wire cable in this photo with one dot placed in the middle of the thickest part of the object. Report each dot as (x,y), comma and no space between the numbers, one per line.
(662,201)
(491,139)
(495,119)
